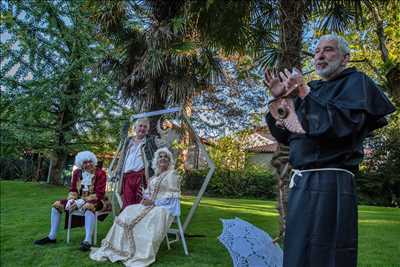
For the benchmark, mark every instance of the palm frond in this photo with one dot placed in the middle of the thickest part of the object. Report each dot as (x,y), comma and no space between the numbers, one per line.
(335,16)
(223,23)
(269,56)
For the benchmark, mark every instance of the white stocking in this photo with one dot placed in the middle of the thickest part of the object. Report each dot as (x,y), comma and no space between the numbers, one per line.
(89,223)
(55,221)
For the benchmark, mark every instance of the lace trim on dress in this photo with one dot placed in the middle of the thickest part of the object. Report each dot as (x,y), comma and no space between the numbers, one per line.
(128,227)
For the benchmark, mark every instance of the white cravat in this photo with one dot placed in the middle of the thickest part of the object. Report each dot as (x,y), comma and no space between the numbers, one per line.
(86,180)
(134,161)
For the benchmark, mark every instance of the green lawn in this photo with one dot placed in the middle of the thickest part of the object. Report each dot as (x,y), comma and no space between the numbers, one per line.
(25,209)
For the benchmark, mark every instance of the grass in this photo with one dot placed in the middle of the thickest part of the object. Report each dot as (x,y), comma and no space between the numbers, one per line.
(25,209)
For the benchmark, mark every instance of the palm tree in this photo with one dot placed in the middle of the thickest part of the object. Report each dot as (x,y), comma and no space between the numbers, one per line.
(158,56)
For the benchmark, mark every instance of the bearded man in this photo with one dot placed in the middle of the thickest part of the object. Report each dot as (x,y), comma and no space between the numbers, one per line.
(336,114)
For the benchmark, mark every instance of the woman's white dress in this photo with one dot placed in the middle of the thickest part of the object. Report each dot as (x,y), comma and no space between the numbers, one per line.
(138,231)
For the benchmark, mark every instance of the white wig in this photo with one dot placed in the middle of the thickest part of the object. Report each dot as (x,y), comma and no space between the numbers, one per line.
(154,164)
(342,43)
(85,156)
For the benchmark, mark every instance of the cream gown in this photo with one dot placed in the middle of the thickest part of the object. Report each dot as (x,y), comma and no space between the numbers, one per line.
(138,231)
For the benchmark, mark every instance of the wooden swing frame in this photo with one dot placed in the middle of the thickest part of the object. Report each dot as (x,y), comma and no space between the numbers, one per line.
(117,178)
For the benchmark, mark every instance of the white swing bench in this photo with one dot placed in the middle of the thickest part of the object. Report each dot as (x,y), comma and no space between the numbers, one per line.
(179,232)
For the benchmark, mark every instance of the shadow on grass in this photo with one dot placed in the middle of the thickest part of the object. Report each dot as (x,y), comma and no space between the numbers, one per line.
(25,216)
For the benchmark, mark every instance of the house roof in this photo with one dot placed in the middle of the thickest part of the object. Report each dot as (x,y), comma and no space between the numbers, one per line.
(268,148)
(261,141)
(264,131)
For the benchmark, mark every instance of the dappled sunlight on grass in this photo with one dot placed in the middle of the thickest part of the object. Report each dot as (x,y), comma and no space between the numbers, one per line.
(394,212)
(244,203)
(243,210)
(25,209)
(238,206)
(380,222)
(377,216)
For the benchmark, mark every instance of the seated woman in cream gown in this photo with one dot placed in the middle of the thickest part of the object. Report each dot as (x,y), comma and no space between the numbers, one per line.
(138,231)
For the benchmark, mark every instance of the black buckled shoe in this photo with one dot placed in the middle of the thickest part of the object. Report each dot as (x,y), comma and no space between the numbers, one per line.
(85,246)
(45,241)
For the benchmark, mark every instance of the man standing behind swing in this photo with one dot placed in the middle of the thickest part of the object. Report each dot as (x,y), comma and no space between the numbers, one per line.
(134,163)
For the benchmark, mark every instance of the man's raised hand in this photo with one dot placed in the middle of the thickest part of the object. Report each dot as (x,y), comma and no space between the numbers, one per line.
(273,82)
(294,82)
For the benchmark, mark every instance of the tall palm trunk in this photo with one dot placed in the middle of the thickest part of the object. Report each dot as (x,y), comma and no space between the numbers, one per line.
(163,12)
(187,110)
(291,31)
(290,39)
(157,101)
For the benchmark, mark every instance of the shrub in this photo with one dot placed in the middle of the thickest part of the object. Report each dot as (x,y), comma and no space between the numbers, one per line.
(379,179)
(252,181)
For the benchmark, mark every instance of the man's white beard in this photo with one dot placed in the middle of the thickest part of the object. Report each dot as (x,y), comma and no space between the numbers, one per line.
(331,68)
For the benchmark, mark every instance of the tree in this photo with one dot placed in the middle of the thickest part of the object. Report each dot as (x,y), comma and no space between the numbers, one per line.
(379,182)
(376,53)
(156,56)
(52,98)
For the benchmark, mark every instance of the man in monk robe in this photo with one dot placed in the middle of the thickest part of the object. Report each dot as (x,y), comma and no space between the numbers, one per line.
(336,113)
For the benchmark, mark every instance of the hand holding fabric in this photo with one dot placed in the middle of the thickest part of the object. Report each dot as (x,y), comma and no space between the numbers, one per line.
(294,83)
(79,203)
(147,202)
(283,111)
(282,106)
(70,204)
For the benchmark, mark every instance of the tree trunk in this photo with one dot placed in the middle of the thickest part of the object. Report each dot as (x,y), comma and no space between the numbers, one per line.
(66,118)
(281,164)
(38,172)
(290,39)
(60,153)
(157,102)
(291,32)
(380,33)
(185,139)
(393,73)
(59,159)
(393,78)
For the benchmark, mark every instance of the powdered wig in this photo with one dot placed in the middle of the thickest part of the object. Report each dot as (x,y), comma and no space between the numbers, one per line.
(154,163)
(83,156)
(342,43)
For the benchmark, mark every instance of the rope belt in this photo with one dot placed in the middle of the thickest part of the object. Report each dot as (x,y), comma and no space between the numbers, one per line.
(299,173)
